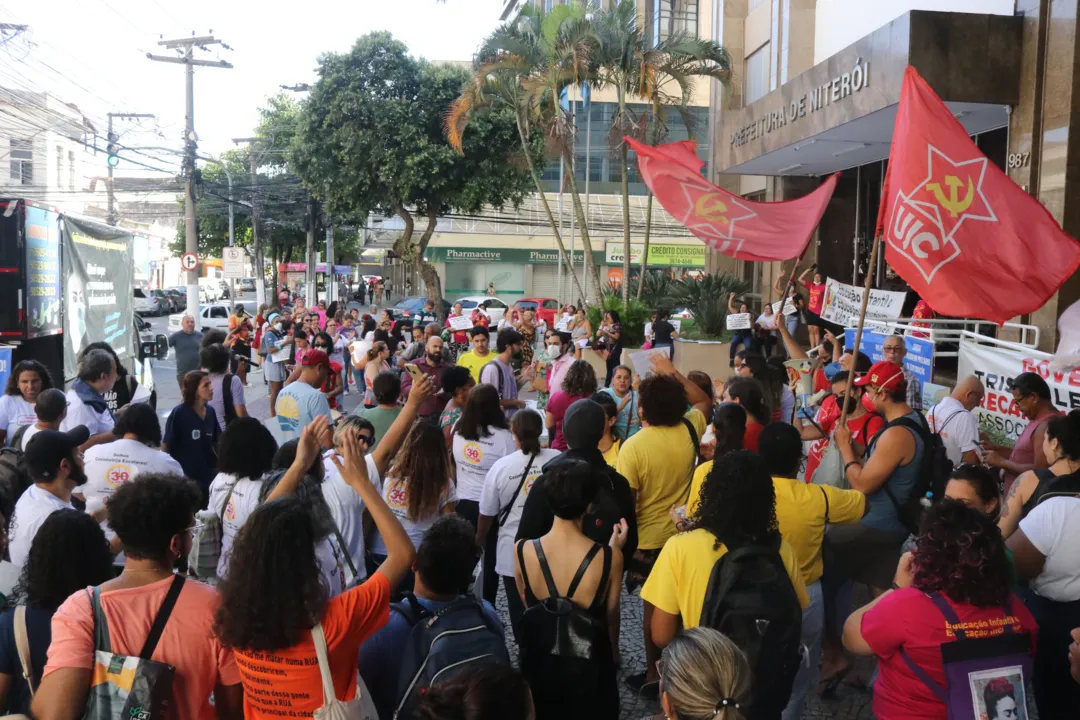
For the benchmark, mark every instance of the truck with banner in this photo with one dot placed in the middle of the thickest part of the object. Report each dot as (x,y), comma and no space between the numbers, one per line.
(65,282)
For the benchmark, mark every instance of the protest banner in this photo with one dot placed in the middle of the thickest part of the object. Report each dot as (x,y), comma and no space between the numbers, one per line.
(641,361)
(998,367)
(789,307)
(738,321)
(842,302)
(461,323)
(920,353)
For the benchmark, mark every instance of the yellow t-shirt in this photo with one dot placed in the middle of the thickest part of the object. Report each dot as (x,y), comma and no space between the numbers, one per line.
(612,454)
(474,363)
(678,581)
(658,462)
(800,510)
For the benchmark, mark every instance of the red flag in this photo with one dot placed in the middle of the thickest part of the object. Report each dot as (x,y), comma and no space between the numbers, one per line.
(741,228)
(968,239)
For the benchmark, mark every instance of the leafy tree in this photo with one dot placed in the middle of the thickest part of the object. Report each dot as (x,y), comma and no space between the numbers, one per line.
(369,138)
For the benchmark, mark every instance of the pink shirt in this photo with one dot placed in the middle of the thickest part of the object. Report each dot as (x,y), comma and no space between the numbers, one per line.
(557,406)
(188,642)
(557,372)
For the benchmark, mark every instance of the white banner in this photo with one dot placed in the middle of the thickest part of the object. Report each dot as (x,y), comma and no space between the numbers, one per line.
(460,323)
(789,307)
(738,321)
(842,303)
(997,367)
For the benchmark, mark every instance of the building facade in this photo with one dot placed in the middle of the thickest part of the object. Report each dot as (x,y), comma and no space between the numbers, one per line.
(816,88)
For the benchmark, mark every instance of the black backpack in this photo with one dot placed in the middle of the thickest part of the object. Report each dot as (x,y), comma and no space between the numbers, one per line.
(457,637)
(227,398)
(750,599)
(14,480)
(563,645)
(932,477)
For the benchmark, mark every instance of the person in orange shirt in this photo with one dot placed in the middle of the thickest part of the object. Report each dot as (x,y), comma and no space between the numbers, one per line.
(274,606)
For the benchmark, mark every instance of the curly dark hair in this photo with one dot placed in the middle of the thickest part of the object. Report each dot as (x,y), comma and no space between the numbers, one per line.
(447,555)
(960,552)
(1066,430)
(22,366)
(274,591)
(424,465)
(483,692)
(215,359)
(985,483)
(782,448)
(738,501)
(455,377)
(69,553)
(214,336)
(749,393)
(481,413)
(140,420)
(246,449)
(148,514)
(580,380)
(663,400)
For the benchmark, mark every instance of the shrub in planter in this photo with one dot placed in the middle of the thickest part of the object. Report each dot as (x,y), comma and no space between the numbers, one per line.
(706,298)
(633,321)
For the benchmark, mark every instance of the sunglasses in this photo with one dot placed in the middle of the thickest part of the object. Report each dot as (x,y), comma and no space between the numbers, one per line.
(323,347)
(368,440)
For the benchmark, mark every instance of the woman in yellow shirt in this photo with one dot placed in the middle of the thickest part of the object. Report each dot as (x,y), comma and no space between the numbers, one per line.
(610,442)
(737,507)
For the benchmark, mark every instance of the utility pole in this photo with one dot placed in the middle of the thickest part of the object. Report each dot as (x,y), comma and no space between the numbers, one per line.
(185,48)
(331,295)
(256,240)
(309,272)
(112,139)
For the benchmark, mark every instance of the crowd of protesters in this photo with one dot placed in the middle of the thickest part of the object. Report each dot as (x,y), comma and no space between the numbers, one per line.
(350,565)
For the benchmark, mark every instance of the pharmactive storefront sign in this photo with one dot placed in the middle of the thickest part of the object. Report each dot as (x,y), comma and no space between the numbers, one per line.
(660,254)
(522,256)
(842,303)
(998,367)
(819,98)
(919,360)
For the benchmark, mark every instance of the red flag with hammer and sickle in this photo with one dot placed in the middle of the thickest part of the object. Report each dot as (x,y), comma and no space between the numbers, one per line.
(734,226)
(968,239)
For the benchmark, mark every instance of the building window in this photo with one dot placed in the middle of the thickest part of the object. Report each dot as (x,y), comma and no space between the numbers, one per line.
(758,68)
(22,162)
(71,169)
(59,167)
(670,17)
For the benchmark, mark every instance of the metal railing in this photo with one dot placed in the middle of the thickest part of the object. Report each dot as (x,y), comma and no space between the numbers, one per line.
(946,334)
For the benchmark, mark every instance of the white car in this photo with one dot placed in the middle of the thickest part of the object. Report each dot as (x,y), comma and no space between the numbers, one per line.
(494,308)
(215,315)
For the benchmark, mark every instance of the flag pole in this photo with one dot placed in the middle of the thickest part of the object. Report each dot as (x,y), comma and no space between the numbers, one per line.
(859,329)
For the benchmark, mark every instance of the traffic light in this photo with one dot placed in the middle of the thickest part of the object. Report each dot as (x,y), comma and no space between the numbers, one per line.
(113,149)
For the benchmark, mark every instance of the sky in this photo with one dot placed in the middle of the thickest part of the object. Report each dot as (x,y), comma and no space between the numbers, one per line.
(93,53)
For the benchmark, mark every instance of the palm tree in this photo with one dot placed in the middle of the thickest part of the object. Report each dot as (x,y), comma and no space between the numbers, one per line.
(517,69)
(661,73)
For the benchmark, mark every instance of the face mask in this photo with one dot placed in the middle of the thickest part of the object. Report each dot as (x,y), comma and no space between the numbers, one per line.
(555,349)
(852,403)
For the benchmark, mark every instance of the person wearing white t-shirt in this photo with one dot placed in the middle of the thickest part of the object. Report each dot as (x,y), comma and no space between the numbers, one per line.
(135,453)
(55,466)
(481,438)
(1046,550)
(27,380)
(506,486)
(86,397)
(418,488)
(50,409)
(958,427)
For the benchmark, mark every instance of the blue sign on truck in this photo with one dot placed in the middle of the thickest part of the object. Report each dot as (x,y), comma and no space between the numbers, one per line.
(920,353)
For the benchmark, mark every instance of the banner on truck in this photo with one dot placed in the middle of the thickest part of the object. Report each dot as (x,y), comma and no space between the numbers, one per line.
(98,281)
(842,304)
(997,367)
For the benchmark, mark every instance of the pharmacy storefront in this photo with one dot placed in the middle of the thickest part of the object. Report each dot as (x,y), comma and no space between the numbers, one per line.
(515,272)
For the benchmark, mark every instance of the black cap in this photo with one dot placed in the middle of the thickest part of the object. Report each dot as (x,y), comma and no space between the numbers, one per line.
(47,448)
(583,424)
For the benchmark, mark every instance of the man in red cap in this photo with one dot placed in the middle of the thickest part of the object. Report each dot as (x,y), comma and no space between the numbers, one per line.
(300,402)
(886,472)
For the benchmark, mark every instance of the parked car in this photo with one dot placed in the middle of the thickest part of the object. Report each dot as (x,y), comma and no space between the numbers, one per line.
(148,304)
(213,315)
(173,307)
(179,296)
(494,308)
(411,306)
(209,289)
(546,308)
(246,285)
(224,291)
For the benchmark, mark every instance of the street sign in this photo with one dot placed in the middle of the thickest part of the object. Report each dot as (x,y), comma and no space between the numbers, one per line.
(233,263)
(189,261)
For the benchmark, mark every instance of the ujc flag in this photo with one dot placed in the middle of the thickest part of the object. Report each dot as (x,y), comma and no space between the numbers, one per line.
(966,238)
(737,227)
